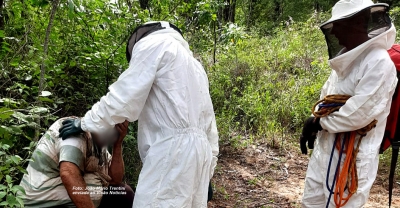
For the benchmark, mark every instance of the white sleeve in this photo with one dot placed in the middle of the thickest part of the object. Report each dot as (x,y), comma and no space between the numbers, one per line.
(213,138)
(127,96)
(372,94)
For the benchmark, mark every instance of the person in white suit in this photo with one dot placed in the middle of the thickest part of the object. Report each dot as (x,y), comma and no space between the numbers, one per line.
(167,90)
(358,36)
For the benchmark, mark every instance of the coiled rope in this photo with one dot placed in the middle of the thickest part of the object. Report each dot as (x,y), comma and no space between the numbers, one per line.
(345,177)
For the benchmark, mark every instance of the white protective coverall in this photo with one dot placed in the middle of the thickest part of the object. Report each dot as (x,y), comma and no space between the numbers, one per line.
(167,90)
(369,76)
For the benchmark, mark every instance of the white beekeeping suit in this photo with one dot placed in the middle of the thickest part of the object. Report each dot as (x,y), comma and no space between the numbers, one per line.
(367,73)
(167,90)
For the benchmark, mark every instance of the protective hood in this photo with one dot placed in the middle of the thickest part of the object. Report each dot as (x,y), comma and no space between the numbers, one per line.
(347,8)
(174,34)
(354,22)
(384,40)
(143,31)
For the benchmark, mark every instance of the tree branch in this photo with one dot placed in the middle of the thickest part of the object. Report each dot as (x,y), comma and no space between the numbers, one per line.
(55,4)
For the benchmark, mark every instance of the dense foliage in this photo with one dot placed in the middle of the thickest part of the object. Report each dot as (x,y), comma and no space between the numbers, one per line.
(266,62)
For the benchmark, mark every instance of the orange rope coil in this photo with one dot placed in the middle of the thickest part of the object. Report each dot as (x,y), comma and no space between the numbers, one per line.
(347,176)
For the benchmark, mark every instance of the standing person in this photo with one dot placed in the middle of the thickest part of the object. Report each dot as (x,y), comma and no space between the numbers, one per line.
(166,89)
(358,36)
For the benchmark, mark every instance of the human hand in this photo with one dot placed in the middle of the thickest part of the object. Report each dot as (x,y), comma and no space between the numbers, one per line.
(122,129)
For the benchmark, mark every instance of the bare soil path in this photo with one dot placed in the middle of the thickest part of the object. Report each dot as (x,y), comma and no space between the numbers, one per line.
(260,176)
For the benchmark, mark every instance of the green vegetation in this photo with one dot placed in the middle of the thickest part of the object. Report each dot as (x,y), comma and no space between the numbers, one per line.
(266,62)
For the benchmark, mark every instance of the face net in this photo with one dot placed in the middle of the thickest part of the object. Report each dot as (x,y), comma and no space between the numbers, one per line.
(346,34)
(139,33)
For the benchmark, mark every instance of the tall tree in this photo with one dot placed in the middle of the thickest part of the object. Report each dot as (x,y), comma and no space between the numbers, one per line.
(45,49)
(229,11)
(144,4)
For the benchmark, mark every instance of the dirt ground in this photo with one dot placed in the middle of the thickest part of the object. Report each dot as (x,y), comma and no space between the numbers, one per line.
(260,176)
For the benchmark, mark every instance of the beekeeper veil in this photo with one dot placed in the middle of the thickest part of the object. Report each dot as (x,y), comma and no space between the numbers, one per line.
(144,30)
(354,22)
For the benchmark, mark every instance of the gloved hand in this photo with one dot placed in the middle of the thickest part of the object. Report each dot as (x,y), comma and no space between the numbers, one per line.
(310,129)
(70,127)
(210,192)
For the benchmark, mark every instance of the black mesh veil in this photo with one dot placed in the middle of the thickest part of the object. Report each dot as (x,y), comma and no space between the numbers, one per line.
(370,22)
(141,32)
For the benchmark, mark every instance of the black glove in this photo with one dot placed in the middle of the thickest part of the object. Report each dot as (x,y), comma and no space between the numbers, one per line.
(210,192)
(310,129)
(70,127)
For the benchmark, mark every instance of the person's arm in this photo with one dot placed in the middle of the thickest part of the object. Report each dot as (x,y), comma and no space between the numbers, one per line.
(371,97)
(72,154)
(117,169)
(213,138)
(73,182)
(127,96)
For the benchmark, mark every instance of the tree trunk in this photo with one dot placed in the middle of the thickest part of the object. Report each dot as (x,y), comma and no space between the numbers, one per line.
(229,11)
(43,65)
(250,16)
(277,10)
(144,4)
(129,3)
(1,20)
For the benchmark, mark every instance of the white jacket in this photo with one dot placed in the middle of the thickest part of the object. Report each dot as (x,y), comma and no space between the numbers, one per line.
(167,90)
(368,75)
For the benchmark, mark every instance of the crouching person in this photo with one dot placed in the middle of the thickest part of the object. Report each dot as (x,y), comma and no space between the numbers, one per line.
(77,172)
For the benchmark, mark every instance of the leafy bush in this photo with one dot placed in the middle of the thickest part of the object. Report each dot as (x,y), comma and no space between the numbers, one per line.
(17,128)
(265,86)
(12,167)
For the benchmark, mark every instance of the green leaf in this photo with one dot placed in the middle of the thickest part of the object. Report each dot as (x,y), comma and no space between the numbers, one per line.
(6,146)
(45,99)
(8,179)
(21,117)
(20,201)
(45,93)
(12,200)
(22,170)
(5,113)
(71,5)
(214,17)
(3,187)
(39,110)
(16,188)
(40,3)
(14,63)
(29,77)
(16,130)
(4,203)
(16,159)
(2,194)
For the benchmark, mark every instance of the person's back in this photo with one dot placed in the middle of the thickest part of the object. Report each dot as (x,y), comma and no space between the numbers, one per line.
(179,98)
(179,113)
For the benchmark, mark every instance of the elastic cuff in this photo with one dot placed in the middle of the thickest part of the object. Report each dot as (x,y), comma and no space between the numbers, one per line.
(83,124)
(319,127)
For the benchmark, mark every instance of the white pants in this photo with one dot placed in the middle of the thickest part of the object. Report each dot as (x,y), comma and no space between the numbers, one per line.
(176,173)
(316,193)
